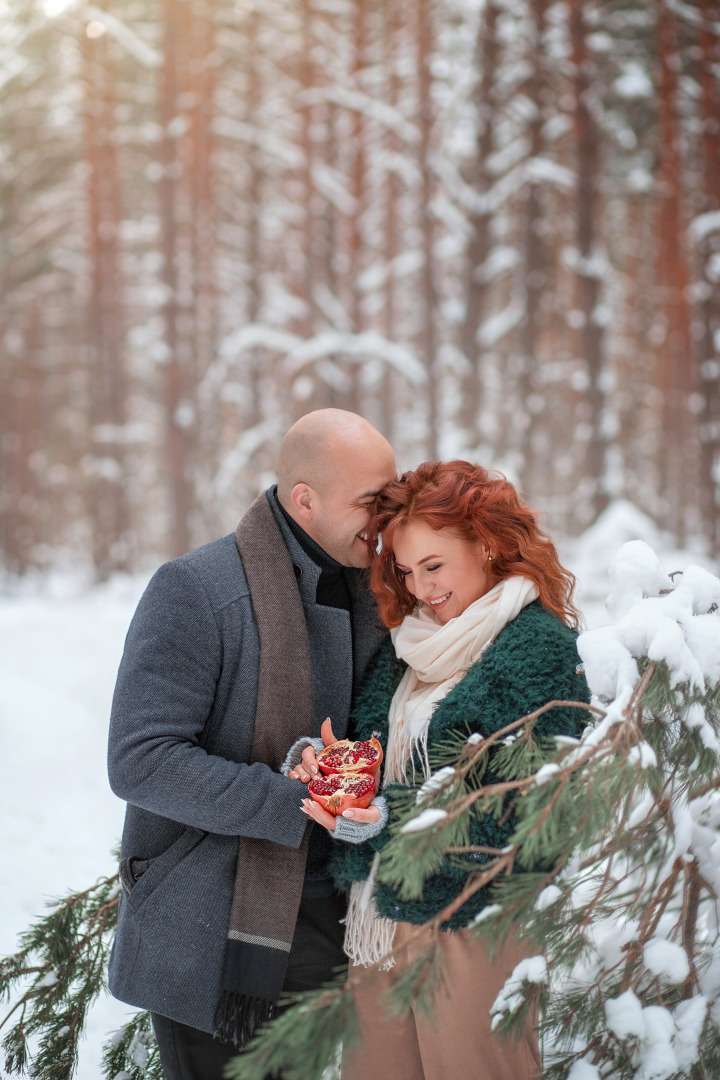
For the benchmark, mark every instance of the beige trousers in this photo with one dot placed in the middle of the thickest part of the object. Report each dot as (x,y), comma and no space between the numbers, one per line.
(453,1041)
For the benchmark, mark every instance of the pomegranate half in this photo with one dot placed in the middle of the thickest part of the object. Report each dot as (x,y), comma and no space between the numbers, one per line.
(343,791)
(347,755)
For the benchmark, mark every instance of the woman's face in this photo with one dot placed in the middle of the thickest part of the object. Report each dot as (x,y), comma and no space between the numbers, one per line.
(441,569)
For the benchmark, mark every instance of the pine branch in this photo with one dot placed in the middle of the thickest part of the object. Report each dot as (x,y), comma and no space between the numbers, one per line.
(56,975)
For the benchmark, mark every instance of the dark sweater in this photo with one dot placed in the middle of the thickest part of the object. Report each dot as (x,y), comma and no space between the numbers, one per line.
(533,660)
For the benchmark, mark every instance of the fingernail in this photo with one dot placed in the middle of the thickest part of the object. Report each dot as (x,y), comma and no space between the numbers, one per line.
(313,768)
(348,813)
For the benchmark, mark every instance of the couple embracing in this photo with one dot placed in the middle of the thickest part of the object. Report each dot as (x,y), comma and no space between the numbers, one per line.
(236,655)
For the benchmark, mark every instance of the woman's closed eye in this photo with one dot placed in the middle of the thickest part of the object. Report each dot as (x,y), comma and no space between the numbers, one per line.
(404,573)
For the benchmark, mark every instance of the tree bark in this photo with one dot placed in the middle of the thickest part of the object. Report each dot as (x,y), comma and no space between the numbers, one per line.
(487,52)
(677,457)
(589,275)
(109,512)
(534,260)
(709,247)
(178,399)
(428,337)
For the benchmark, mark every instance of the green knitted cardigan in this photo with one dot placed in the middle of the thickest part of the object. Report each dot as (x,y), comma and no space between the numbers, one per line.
(533,660)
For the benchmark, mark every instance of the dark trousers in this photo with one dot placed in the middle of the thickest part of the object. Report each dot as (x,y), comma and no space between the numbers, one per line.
(315,954)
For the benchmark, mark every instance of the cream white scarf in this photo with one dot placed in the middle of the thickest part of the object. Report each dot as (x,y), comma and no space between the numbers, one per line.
(438,655)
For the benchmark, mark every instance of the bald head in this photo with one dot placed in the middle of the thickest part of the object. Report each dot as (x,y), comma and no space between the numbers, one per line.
(319,447)
(331,465)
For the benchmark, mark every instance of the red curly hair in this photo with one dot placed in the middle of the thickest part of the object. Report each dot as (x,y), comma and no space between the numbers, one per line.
(477,505)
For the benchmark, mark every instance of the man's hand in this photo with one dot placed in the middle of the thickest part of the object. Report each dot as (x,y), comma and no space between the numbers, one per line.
(307,770)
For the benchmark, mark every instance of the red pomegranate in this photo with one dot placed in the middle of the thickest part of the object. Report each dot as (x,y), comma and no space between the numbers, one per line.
(343,791)
(351,756)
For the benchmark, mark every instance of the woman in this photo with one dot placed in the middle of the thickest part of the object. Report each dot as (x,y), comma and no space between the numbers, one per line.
(482,632)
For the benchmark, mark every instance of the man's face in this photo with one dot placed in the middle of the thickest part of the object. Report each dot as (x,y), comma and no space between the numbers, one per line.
(341,511)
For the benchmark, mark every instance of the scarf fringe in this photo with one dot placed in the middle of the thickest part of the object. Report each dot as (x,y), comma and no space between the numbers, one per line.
(238,1016)
(368,936)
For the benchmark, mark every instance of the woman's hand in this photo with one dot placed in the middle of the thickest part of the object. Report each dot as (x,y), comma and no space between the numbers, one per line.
(315,811)
(307,770)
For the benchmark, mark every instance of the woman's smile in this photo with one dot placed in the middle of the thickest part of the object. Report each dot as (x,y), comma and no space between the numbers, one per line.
(439,601)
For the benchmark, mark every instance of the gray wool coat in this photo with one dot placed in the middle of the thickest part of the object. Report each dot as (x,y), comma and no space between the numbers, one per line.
(181,732)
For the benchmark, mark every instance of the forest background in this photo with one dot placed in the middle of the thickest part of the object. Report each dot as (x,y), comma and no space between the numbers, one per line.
(490,226)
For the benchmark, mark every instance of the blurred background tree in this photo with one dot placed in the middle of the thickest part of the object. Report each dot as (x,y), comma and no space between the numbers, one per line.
(490,226)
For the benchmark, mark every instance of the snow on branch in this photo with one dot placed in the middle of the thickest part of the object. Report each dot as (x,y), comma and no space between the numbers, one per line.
(692,15)
(299,352)
(265,139)
(359,347)
(704,224)
(242,453)
(379,111)
(125,36)
(498,326)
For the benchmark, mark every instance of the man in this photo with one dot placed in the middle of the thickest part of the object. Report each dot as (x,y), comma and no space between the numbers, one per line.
(236,650)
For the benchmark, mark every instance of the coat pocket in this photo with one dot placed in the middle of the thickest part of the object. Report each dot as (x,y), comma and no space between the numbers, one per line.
(139,886)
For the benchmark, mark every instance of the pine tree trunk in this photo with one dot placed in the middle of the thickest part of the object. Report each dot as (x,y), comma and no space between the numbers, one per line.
(357,186)
(109,513)
(428,296)
(709,433)
(487,51)
(392,25)
(589,277)
(179,421)
(202,334)
(677,455)
(254,209)
(534,264)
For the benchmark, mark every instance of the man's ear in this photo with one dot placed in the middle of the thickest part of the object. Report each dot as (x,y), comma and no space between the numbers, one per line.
(302,498)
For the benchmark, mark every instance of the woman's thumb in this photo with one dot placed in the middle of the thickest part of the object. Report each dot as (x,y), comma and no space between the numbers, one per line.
(326,732)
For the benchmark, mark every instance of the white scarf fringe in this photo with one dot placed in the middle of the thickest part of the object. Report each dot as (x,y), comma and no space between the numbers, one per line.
(368,936)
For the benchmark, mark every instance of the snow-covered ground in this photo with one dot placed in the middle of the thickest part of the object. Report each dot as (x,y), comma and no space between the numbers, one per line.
(60,644)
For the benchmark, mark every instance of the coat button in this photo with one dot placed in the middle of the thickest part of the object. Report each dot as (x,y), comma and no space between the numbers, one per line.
(298,570)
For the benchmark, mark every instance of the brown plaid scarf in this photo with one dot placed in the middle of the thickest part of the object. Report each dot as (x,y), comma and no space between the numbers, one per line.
(269,876)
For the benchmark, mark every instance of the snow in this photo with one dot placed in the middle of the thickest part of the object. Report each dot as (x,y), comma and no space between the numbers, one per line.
(438,780)
(425,820)
(125,36)
(497,326)
(634,83)
(666,959)
(661,627)
(547,897)
(704,224)
(642,755)
(667,1041)
(300,352)
(60,645)
(531,970)
(487,912)
(546,773)
(623,1015)
(583,1070)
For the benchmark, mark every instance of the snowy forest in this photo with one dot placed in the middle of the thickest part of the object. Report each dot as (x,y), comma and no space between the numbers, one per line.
(490,226)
